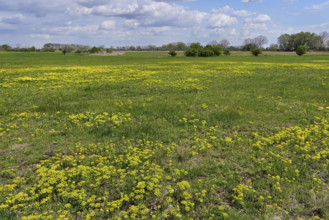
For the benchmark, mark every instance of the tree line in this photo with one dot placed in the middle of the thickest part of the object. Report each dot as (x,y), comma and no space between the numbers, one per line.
(290,42)
(285,42)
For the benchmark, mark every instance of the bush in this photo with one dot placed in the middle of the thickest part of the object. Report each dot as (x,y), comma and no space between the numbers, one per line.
(218,50)
(227,52)
(172,53)
(206,52)
(196,49)
(108,51)
(191,52)
(95,50)
(301,50)
(256,51)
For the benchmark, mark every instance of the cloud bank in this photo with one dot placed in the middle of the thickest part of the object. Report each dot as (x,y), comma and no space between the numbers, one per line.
(128,22)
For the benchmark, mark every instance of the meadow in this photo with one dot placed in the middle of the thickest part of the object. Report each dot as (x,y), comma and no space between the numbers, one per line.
(149,136)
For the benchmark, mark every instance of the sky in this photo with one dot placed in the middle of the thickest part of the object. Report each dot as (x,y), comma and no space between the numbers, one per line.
(28,23)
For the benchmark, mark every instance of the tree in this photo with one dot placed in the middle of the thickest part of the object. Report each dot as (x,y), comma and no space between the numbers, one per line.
(301,50)
(6,47)
(224,44)
(260,41)
(248,41)
(181,46)
(196,46)
(174,46)
(151,47)
(252,43)
(291,42)
(273,47)
(284,42)
(324,38)
(248,47)
(213,43)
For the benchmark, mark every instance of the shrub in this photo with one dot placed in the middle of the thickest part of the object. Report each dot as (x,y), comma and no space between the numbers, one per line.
(172,53)
(256,51)
(301,50)
(227,52)
(191,52)
(206,52)
(218,50)
(196,49)
(108,51)
(95,50)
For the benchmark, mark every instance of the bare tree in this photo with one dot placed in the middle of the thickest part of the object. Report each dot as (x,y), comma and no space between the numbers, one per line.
(260,40)
(248,41)
(224,44)
(213,43)
(324,36)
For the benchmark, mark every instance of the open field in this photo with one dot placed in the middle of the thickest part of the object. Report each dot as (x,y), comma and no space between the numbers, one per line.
(145,135)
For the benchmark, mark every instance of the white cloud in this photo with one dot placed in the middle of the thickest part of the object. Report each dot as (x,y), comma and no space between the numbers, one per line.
(38,36)
(249,1)
(147,12)
(225,9)
(318,6)
(107,25)
(13,19)
(219,31)
(131,23)
(259,19)
(174,0)
(243,13)
(91,3)
(234,32)
(36,7)
(221,21)
(255,26)
(262,18)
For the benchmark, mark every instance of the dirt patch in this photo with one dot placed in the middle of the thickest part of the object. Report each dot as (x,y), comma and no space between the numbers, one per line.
(114,53)
(15,147)
(18,147)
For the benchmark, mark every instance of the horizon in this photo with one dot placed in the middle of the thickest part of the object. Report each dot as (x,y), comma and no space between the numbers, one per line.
(155,22)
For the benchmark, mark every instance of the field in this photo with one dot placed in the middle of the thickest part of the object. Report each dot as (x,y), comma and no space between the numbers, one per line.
(148,136)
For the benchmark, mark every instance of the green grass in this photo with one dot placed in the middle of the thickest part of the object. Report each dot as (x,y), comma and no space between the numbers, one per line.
(235,137)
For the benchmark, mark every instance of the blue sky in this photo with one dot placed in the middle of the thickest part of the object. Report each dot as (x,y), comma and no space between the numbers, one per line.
(144,22)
